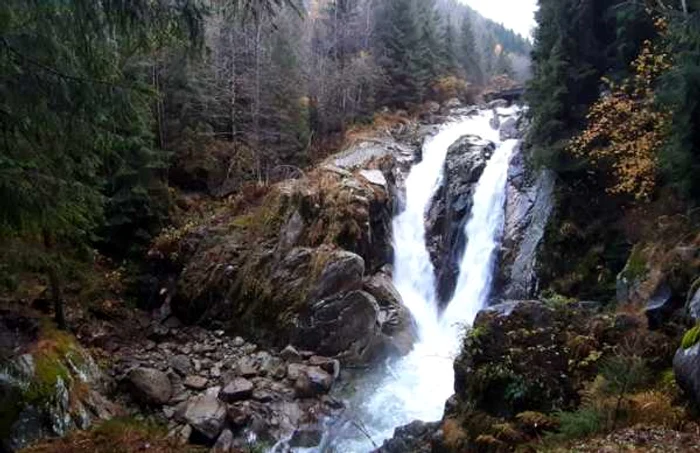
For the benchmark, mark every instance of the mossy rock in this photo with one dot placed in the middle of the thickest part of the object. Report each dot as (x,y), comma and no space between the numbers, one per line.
(48,389)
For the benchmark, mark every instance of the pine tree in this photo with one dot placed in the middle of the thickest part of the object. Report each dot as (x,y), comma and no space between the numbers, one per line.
(398,32)
(449,49)
(427,55)
(468,54)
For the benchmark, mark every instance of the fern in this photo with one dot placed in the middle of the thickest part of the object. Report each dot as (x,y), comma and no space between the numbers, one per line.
(582,423)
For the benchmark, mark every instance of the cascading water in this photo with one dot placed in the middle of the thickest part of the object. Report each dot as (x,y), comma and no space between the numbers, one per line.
(416,386)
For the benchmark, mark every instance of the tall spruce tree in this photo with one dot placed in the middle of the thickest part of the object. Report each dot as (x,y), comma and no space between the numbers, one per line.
(468,53)
(398,34)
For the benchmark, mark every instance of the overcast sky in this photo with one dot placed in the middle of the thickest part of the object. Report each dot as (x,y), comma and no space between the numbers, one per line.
(518,15)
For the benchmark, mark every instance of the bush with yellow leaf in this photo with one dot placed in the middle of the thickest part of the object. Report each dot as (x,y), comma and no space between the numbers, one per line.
(626,128)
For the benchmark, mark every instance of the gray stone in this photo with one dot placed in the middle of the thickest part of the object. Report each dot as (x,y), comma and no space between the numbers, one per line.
(528,208)
(236,390)
(693,306)
(375,177)
(451,207)
(181,363)
(206,414)
(343,271)
(686,367)
(290,354)
(225,441)
(345,325)
(150,385)
(509,129)
(196,382)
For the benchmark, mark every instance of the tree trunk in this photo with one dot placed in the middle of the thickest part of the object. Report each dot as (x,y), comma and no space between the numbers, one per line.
(55,285)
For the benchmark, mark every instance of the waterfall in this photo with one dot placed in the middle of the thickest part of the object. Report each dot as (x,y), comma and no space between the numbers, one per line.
(415,387)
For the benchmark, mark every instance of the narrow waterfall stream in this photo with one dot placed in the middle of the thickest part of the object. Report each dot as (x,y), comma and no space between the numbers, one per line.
(415,387)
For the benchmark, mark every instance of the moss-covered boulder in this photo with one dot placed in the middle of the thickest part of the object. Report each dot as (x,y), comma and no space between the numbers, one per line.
(293,268)
(48,385)
(526,355)
(525,362)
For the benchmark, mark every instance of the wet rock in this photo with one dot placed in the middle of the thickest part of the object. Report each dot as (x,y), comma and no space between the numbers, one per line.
(693,306)
(312,381)
(150,385)
(236,390)
(306,437)
(497,104)
(206,414)
(450,208)
(661,306)
(529,205)
(509,129)
(398,326)
(686,367)
(415,437)
(345,325)
(330,366)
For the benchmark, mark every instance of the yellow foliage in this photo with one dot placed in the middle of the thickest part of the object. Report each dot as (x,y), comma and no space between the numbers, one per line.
(626,127)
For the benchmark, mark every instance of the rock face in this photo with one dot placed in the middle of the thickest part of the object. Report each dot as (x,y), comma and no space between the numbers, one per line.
(529,204)
(49,385)
(450,208)
(293,269)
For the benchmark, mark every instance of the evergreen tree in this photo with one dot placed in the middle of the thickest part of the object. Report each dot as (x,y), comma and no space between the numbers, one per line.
(398,35)
(429,65)
(449,48)
(468,54)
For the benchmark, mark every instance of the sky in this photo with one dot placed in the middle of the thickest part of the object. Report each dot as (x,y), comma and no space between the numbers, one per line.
(518,15)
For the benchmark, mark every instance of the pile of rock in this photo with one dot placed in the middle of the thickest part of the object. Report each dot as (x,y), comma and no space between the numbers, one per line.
(215,390)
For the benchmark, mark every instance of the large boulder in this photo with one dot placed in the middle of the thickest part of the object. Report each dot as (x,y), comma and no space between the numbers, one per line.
(282,269)
(686,367)
(206,414)
(345,325)
(150,386)
(49,384)
(527,355)
(399,329)
(450,208)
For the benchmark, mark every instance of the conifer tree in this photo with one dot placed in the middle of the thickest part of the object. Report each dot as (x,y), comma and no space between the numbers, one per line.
(468,54)
(398,35)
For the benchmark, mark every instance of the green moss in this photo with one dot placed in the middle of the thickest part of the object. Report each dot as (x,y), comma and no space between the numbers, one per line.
(555,300)
(52,354)
(691,337)
(636,267)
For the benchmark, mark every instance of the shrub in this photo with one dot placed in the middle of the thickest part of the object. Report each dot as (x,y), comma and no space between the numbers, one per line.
(581,423)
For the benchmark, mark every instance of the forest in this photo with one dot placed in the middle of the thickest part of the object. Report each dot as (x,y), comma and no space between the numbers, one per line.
(109,107)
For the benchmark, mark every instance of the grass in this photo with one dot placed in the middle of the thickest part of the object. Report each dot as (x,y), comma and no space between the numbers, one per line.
(119,435)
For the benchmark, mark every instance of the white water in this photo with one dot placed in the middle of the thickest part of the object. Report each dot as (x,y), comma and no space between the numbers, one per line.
(417,386)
